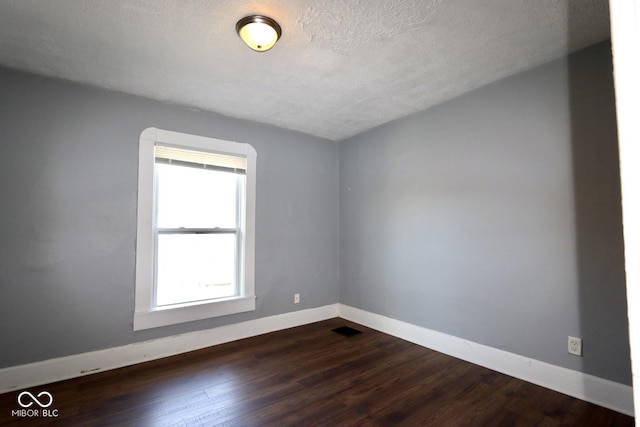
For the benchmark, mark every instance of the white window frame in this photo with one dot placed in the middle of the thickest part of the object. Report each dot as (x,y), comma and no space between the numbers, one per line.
(146,314)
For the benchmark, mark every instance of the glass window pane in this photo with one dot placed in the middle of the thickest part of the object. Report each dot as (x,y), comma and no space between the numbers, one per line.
(195,198)
(194,267)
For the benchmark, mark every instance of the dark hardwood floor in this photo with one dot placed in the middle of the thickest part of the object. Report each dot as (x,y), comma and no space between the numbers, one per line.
(308,376)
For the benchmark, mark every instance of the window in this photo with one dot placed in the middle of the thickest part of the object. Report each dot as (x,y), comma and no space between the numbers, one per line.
(195,241)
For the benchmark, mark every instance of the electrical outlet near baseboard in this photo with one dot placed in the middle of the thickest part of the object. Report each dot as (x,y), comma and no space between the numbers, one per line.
(575,346)
(296,298)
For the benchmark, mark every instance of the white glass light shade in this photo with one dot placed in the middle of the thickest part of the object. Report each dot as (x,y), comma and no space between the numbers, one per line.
(260,33)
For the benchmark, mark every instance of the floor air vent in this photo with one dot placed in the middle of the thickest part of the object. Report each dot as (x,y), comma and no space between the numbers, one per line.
(346,331)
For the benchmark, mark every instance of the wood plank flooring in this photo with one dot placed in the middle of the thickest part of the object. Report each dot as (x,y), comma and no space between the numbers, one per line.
(308,376)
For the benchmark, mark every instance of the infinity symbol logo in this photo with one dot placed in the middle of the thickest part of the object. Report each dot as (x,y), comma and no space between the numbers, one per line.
(35,399)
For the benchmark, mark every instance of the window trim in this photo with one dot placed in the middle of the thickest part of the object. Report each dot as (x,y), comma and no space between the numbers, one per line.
(146,315)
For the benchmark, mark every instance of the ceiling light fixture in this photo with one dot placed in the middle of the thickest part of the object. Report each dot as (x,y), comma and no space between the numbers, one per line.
(259,32)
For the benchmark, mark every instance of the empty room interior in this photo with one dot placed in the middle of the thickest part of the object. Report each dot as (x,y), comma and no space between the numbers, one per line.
(401,213)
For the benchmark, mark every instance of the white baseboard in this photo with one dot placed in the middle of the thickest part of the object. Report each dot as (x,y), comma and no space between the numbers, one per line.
(610,394)
(62,368)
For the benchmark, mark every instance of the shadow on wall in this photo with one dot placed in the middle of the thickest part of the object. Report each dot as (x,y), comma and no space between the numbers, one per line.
(598,212)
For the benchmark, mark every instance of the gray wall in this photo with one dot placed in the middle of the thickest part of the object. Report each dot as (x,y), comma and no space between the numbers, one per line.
(496,217)
(68,216)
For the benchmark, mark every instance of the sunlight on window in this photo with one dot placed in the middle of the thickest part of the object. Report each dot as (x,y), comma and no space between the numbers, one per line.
(195,238)
(196,257)
(195,198)
(195,267)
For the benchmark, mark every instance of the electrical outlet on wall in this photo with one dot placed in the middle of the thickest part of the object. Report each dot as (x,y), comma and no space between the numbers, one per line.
(296,298)
(575,346)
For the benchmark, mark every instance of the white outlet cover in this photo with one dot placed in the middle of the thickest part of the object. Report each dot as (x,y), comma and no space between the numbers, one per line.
(574,346)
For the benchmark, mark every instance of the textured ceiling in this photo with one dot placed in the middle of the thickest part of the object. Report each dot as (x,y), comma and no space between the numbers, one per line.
(341,67)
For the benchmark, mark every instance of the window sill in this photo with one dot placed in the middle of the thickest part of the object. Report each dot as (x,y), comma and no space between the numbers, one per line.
(170,315)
